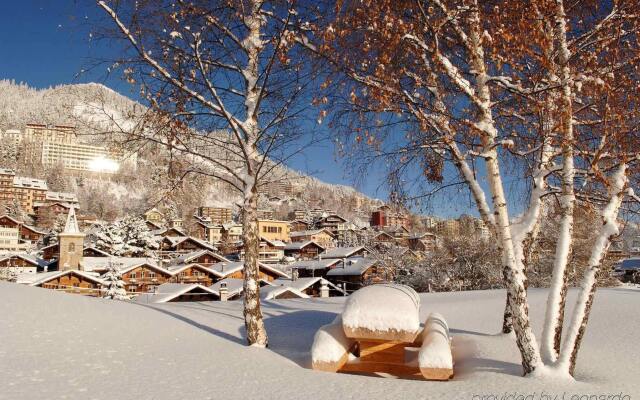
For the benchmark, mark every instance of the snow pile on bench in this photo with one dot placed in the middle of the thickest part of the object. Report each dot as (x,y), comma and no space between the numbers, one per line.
(435,359)
(385,312)
(330,350)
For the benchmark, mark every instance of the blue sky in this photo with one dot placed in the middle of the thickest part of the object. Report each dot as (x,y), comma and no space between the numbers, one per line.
(47,43)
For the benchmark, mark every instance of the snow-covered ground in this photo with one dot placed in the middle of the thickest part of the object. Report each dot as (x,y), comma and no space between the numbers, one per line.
(55,345)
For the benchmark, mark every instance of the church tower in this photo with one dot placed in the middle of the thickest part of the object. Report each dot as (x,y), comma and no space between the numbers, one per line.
(70,243)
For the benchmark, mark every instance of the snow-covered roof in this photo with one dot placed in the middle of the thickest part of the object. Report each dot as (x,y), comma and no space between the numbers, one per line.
(315,264)
(421,235)
(62,197)
(301,245)
(272,292)
(29,183)
(47,276)
(72,222)
(30,258)
(341,252)
(7,171)
(310,232)
(102,263)
(176,269)
(303,284)
(186,258)
(352,266)
(273,243)
(234,286)
(169,291)
(224,269)
(176,240)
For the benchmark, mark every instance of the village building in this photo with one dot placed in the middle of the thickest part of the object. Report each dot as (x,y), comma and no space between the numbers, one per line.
(344,252)
(10,241)
(323,237)
(22,263)
(217,215)
(144,277)
(282,292)
(308,250)
(231,233)
(386,216)
(52,251)
(154,216)
(193,273)
(265,214)
(177,292)
(334,223)
(274,230)
(270,251)
(312,287)
(230,288)
(235,269)
(28,234)
(313,268)
(354,273)
(70,281)
(423,242)
(298,225)
(171,246)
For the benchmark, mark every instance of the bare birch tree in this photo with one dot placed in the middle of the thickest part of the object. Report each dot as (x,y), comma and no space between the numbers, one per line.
(224,86)
(437,83)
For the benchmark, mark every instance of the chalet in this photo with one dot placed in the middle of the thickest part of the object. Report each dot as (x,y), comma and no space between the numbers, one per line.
(51,252)
(202,257)
(70,281)
(231,232)
(235,269)
(354,273)
(344,252)
(171,231)
(178,292)
(270,252)
(334,223)
(28,233)
(234,286)
(50,210)
(299,225)
(22,263)
(281,292)
(154,216)
(423,242)
(314,268)
(171,245)
(144,277)
(153,226)
(312,287)
(303,250)
(193,273)
(383,237)
(323,237)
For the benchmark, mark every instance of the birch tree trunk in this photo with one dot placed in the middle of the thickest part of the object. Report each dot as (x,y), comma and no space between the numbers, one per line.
(609,228)
(554,317)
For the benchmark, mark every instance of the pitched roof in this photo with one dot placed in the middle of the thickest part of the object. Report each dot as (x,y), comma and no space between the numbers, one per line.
(234,286)
(301,245)
(176,240)
(72,222)
(30,258)
(102,263)
(303,284)
(47,276)
(311,232)
(342,252)
(186,258)
(169,291)
(224,269)
(352,266)
(315,264)
(272,292)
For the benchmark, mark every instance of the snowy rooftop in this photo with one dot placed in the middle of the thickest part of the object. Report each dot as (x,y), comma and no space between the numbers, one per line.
(300,245)
(186,258)
(30,258)
(29,183)
(309,233)
(272,292)
(341,252)
(303,283)
(234,286)
(7,171)
(169,291)
(62,197)
(102,263)
(315,264)
(352,266)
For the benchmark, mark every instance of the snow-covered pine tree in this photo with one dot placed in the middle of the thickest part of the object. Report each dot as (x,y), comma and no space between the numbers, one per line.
(128,237)
(114,285)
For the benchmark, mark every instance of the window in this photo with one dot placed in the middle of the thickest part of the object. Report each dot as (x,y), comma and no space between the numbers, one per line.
(72,247)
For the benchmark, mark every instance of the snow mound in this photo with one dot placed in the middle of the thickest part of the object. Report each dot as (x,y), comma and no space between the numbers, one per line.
(436,348)
(391,311)
(330,344)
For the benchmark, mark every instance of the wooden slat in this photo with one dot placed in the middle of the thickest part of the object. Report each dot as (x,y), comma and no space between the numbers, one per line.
(437,374)
(330,366)
(368,334)
(392,352)
(371,367)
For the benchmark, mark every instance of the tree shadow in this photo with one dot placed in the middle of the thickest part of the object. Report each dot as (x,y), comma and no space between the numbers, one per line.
(468,360)
(474,333)
(291,334)
(206,328)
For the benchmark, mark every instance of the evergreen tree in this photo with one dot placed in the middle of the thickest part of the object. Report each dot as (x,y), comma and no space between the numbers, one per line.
(114,284)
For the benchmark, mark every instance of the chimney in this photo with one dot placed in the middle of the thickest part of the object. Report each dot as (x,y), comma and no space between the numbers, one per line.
(224,292)
(324,288)
(222,268)
(294,274)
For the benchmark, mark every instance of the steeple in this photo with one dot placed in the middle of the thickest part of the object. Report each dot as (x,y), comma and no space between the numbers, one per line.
(70,244)
(72,222)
